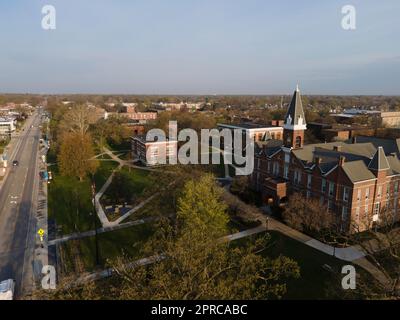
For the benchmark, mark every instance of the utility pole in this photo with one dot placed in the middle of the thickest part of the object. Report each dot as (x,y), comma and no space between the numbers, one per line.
(95,221)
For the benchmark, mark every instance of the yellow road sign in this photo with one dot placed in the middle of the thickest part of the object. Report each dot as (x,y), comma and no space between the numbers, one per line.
(40,232)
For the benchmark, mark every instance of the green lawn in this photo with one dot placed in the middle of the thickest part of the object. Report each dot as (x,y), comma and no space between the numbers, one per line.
(315,282)
(69,204)
(104,172)
(127,242)
(70,201)
(136,183)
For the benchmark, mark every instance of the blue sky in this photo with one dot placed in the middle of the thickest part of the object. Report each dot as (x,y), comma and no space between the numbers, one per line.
(200,47)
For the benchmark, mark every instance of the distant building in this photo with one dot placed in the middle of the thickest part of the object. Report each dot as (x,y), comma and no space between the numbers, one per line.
(7,126)
(152,153)
(257,132)
(357,181)
(173,106)
(390,119)
(143,117)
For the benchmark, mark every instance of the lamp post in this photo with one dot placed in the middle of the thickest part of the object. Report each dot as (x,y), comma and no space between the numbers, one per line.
(95,222)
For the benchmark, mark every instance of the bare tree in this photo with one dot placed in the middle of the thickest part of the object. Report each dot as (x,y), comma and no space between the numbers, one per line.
(77,119)
(307,214)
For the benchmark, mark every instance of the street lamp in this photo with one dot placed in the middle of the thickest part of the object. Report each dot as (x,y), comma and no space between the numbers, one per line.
(95,222)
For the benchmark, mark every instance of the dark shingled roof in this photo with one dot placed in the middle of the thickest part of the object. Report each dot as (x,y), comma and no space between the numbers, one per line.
(389,145)
(379,161)
(357,171)
(268,147)
(295,110)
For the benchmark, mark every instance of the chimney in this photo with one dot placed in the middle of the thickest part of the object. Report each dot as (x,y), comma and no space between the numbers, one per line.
(342,160)
(337,148)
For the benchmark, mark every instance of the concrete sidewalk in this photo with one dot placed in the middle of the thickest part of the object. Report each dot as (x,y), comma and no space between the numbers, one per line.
(90,233)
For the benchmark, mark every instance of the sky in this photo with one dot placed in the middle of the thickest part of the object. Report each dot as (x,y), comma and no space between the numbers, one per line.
(200,47)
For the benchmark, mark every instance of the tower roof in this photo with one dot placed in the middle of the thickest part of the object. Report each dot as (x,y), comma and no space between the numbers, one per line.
(295,113)
(379,161)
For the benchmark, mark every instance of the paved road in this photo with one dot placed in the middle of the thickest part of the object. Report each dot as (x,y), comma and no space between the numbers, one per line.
(17,222)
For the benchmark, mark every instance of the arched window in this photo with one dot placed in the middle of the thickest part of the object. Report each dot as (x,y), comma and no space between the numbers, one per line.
(298,142)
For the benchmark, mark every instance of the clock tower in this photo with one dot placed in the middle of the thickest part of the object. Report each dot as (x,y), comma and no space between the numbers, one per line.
(295,123)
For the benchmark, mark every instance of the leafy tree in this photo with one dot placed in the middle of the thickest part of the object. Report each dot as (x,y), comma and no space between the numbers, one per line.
(190,260)
(197,264)
(75,156)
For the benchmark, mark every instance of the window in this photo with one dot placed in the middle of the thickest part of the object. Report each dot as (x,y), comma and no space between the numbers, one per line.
(269,167)
(345,194)
(276,168)
(359,195)
(330,205)
(379,191)
(344,213)
(357,215)
(286,171)
(396,187)
(331,189)
(298,176)
(323,185)
(367,194)
(309,180)
(298,142)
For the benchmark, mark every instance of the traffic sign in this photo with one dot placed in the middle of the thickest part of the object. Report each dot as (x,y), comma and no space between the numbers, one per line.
(41,232)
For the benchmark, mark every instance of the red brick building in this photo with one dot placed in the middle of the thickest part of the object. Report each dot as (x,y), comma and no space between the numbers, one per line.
(152,153)
(357,180)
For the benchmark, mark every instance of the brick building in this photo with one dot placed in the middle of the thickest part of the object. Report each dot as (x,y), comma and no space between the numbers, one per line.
(152,153)
(357,180)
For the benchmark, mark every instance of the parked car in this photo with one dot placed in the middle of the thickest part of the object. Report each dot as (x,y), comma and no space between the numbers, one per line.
(15,163)
(7,289)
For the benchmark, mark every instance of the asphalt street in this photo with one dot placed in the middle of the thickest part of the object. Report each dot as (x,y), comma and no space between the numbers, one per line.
(17,204)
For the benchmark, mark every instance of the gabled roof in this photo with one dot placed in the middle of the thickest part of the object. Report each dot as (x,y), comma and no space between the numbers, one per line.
(268,147)
(357,171)
(389,145)
(295,111)
(379,161)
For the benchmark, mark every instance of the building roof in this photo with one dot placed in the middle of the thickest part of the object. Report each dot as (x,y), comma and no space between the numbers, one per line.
(357,171)
(295,113)
(389,145)
(379,161)
(246,126)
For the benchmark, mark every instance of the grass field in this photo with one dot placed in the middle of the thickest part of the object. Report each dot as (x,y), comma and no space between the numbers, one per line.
(70,201)
(127,242)
(315,282)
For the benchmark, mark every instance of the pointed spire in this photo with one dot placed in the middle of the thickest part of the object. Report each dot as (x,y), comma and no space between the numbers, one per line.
(379,161)
(295,119)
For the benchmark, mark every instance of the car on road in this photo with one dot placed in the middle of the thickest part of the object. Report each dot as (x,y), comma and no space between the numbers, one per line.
(15,163)
(7,289)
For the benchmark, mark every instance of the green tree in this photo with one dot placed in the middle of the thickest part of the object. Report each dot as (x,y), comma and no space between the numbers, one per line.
(75,158)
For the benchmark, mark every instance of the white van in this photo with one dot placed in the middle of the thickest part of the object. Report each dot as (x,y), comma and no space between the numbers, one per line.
(7,289)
